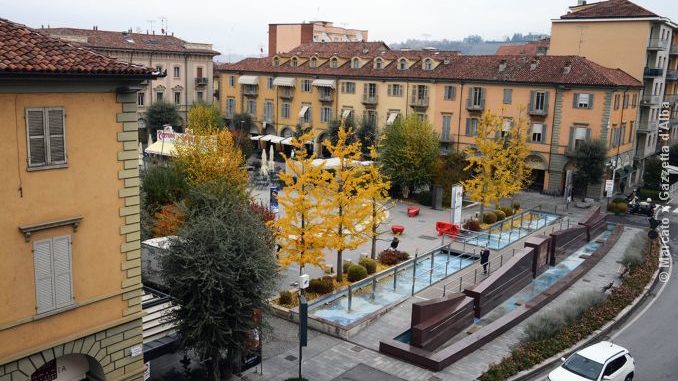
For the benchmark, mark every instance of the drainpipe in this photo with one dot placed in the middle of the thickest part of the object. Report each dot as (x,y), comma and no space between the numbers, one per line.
(461,94)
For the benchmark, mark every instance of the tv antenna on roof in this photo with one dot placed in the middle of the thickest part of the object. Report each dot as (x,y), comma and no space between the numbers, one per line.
(163,25)
(150,23)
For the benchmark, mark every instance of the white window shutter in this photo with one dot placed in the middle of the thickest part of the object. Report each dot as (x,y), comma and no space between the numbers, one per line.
(61,248)
(44,287)
(35,131)
(57,141)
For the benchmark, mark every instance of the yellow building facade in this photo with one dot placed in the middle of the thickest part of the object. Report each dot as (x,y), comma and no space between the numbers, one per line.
(70,305)
(564,99)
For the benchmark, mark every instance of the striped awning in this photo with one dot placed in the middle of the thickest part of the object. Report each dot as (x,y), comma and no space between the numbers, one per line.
(284,81)
(324,83)
(248,80)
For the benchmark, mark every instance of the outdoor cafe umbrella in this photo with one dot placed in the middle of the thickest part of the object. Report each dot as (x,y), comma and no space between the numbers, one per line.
(271,163)
(264,165)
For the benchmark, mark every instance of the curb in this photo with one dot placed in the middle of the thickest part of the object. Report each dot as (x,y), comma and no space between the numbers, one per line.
(618,320)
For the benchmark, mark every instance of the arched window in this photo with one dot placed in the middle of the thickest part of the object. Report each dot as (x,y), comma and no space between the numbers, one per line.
(334,62)
(276,61)
(294,62)
(378,63)
(355,63)
(428,64)
(313,62)
(402,64)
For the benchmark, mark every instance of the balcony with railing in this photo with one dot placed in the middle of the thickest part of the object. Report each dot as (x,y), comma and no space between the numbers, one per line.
(369,99)
(475,106)
(201,81)
(672,74)
(537,111)
(671,98)
(657,44)
(674,49)
(419,101)
(653,71)
(647,126)
(325,96)
(650,100)
(250,90)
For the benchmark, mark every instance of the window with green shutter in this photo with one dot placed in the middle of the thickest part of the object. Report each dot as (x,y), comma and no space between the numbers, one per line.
(46,137)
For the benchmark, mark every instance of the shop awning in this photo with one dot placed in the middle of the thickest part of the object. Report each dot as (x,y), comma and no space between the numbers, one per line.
(391,118)
(162,148)
(346,113)
(248,80)
(277,139)
(303,111)
(283,81)
(324,83)
(267,138)
(287,141)
(537,128)
(256,137)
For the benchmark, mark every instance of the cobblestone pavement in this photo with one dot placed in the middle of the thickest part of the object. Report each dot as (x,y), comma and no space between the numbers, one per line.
(327,357)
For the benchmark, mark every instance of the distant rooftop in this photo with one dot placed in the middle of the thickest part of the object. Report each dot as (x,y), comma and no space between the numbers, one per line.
(95,38)
(608,9)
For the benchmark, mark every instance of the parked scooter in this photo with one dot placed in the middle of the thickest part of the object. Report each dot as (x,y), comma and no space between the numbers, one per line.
(645,208)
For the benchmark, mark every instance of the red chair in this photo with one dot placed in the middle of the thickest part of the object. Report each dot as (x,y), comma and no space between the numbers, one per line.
(444,227)
(412,211)
(397,229)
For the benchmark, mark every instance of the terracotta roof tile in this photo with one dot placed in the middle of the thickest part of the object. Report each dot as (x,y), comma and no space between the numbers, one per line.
(361,49)
(127,41)
(23,50)
(528,49)
(548,70)
(608,9)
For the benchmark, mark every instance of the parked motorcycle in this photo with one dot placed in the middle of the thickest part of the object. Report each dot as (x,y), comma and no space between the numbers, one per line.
(645,208)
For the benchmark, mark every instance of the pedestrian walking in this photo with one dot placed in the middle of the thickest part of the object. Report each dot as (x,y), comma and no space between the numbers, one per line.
(485,259)
(394,243)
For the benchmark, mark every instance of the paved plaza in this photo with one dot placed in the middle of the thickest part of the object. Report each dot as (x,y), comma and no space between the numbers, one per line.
(329,358)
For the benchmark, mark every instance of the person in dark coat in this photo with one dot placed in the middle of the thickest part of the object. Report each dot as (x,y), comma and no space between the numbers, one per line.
(394,243)
(485,259)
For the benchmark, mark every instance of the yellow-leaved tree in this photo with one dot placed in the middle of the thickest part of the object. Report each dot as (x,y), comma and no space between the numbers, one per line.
(349,195)
(301,229)
(491,174)
(517,151)
(209,156)
(378,199)
(204,117)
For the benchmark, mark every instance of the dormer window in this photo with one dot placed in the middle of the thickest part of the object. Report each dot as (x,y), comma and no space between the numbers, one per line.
(334,62)
(355,63)
(276,61)
(294,62)
(533,64)
(428,64)
(378,63)
(402,64)
(502,65)
(313,62)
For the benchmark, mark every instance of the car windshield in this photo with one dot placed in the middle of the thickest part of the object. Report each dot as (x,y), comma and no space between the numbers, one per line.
(583,367)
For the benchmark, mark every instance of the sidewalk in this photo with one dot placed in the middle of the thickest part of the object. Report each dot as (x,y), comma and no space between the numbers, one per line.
(327,358)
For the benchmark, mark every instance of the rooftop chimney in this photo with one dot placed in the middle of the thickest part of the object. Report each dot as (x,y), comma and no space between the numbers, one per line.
(567,68)
(581,2)
(502,65)
(533,64)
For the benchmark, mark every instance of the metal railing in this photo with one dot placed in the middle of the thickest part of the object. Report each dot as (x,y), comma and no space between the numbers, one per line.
(674,49)
(370,99)
(325,97)
(471,106)
(201,81)
(672,74)
(472,276)
(647,126)
(419,102)
(653,71)
(647,100)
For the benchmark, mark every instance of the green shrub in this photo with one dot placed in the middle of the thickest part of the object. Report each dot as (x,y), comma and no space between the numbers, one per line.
(285,297)
(612,208)
(425,198)
(369,264)
(544,326)
(346,266)
(552,322)
(356,273)
(500,215)
(472,224)
(619,200)
(323,285)
(516,206)
(632,258)
(162,186)
(489,218)
(507,211)
(622,207)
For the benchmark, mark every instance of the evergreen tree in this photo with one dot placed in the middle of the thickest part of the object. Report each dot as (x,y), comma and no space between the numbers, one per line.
(589,161)
(160,114)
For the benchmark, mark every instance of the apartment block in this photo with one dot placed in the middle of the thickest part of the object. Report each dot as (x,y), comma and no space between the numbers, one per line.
(566,99)
(188,65)
(285,37)
(619,33)
(70,285)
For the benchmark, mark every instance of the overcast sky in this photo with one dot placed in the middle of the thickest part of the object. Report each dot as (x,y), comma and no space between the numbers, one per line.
(241,27)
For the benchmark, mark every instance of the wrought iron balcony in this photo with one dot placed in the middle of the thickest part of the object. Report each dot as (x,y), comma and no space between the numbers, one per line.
(538,112)
(653,71)
(419,102)
(672,74)
(370,99)
(250,91)
(201,81)
(286,93)
(647,126)
(657,44)
(650,100)
(471,106)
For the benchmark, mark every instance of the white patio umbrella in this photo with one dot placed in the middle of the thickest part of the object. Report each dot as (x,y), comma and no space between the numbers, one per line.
(271,162)
(264,164)
(141,155)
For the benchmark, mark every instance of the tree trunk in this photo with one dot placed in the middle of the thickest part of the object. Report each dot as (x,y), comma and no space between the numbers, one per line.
(215,371)
(374,230)
(405,190)
(482,210)
(340,267)
(233,361)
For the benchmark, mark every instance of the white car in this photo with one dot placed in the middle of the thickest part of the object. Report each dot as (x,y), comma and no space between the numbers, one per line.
(601,361)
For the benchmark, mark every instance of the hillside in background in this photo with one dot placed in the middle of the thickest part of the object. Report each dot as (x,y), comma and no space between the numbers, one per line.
(471,45)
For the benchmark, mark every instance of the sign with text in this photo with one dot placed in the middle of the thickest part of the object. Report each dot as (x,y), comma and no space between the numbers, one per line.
(274,199)
(456,204)
(609,187)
